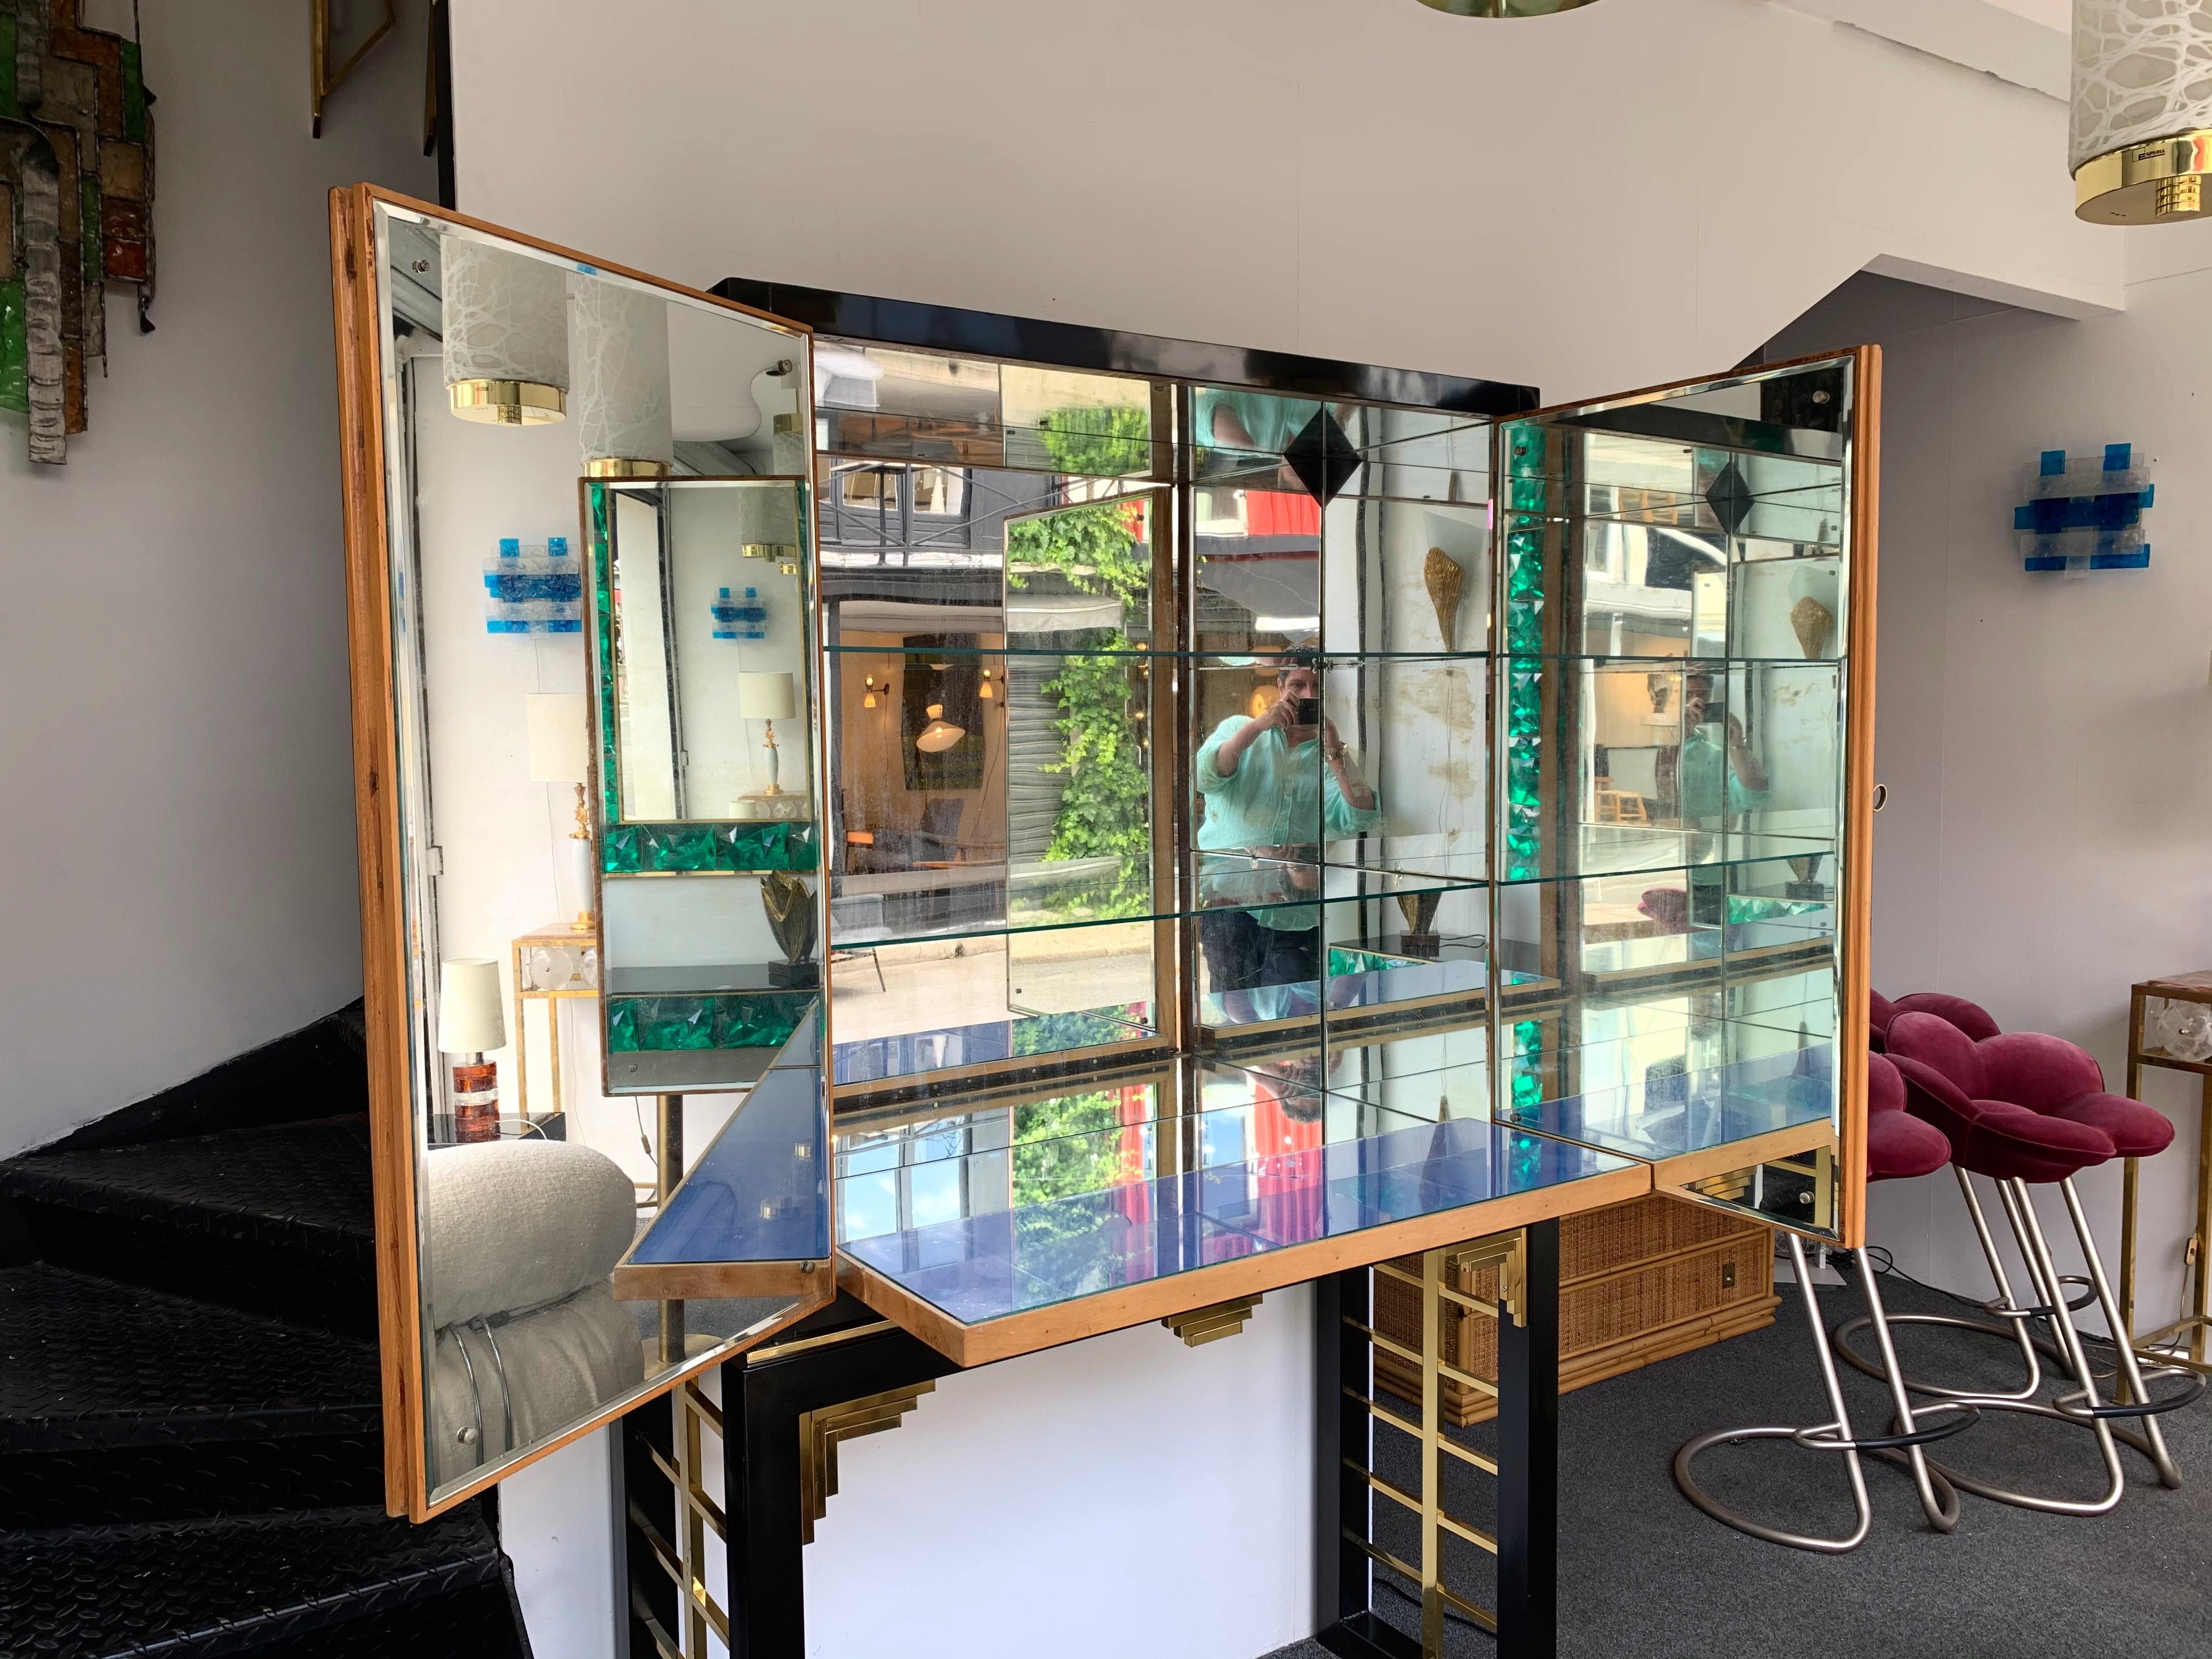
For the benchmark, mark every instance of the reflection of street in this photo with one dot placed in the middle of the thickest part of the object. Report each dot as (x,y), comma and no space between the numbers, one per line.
(927,988)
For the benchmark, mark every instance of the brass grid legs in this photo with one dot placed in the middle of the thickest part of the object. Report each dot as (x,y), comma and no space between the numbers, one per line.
(1441,1273)
(685,1558)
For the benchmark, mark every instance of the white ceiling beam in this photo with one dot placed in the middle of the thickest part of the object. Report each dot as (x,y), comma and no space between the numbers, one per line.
(2027,42)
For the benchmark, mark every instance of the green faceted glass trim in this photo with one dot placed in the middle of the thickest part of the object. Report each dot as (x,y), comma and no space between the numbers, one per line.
(14,347)
(739,847)
(1342,962)
(134,94)
(1524,633)
(1527,1066)
(759,1019)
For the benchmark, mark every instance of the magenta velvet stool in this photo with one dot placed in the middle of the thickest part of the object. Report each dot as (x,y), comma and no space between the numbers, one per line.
(2026,1110)
(1898,1146)
(1969,1017)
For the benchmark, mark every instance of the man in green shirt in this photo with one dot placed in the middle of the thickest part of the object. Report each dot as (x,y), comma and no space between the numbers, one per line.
(1274,787)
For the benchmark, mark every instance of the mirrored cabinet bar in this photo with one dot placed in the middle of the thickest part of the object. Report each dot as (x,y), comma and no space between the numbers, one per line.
(1036,829)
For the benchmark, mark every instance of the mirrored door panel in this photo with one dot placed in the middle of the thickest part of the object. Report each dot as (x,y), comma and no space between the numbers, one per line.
(702,640)
(1683,717)
(563,869)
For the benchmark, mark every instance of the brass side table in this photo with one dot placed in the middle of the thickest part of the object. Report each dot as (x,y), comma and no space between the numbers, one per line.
(2165,1344)
(552,989)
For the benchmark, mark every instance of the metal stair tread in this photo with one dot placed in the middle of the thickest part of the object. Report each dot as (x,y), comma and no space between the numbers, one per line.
(302,1185)
(239,1585)
(88,1362)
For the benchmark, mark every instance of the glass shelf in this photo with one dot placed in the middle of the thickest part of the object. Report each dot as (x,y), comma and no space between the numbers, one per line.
(1608,849)
(986,1287)
(758,1198)
(899,1058)
(1673,1114)
(1386,886)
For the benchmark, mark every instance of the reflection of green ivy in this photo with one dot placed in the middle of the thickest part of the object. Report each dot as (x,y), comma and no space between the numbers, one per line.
(1048,1034)
(1097,443)
(1091,545)
(1103,804)
(1068,1145)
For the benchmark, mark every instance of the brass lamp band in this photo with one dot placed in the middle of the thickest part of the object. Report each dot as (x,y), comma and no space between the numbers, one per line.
(622,466)
(2157,183)
(508,403)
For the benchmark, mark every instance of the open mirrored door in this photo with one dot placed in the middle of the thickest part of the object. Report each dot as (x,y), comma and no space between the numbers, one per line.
(1684,719)
(553,859)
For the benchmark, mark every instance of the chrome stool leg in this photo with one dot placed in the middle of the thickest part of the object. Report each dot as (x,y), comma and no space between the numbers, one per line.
(2149,1440)
(1942,1512)
(2019,1210)
(1936,1497)
(2006,1306)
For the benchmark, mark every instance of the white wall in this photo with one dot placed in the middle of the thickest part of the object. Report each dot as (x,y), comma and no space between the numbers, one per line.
(179,839)
(1620,196)
(2047,744)
(1120,1496)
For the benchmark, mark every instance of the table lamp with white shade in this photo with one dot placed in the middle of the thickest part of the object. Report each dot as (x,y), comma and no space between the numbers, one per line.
(561,752)
(470,1025)
(768,698)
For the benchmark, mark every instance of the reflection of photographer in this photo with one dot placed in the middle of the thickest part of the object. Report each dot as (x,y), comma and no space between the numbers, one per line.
(1275,787)
(1717,776)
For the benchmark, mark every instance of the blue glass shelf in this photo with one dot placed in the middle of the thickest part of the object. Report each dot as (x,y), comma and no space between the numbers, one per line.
(1700,1111)
(752,1216)
(986,1287)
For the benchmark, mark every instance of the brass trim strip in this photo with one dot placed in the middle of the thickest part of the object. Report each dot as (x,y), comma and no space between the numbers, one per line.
(1406,1425)
(761,1356)
(2146,184)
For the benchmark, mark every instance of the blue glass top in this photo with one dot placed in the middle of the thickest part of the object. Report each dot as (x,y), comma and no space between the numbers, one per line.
(983,1268)
(1694,1110)
(760,1191)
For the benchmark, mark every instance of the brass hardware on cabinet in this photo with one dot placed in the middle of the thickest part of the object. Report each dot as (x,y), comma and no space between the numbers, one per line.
(1210,1324)
(819,1433)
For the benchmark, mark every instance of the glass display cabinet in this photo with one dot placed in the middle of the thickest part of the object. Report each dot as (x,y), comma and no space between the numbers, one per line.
(1070,830)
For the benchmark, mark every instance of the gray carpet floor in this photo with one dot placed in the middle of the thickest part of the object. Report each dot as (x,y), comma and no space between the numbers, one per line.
(1642,1573)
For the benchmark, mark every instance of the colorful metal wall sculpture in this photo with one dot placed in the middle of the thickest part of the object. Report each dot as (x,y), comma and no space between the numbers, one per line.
(76,206)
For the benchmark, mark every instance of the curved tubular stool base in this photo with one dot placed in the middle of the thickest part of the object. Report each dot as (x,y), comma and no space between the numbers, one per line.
(1937,1497)
(2019,1210)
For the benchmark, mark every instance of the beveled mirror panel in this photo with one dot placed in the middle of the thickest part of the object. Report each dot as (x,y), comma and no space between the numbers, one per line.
(532,877)
(702,639)
(1683,763)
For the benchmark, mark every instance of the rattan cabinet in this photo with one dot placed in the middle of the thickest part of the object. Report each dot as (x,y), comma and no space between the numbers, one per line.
(1639,1282)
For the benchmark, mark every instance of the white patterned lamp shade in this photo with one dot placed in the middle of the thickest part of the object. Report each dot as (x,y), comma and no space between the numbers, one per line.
(506,319)
(618,343)
(2141,138)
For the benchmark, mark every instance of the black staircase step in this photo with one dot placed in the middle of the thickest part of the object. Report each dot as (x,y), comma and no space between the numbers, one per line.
(273,1219)
(263,1585)
(188,1481)
(480,1622)
(86,1362)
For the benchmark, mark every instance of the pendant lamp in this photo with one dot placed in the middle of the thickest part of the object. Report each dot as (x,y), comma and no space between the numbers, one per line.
(2140,142)
(940,734)
(618,344)
(506,325)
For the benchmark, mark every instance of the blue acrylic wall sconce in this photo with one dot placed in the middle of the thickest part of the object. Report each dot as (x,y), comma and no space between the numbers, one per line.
(2084,512)
(533,587)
